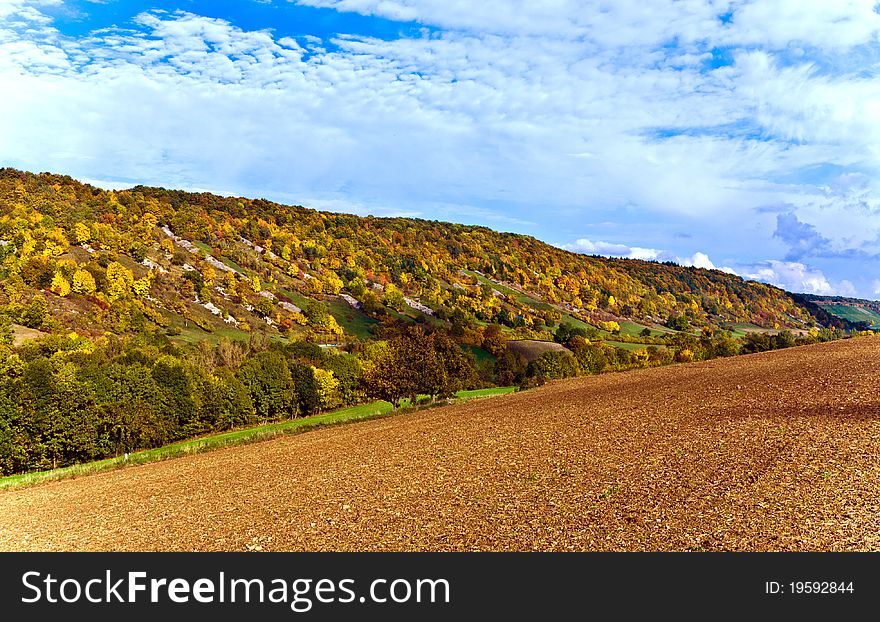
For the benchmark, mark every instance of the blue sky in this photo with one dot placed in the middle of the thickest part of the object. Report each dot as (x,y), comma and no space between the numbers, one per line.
(735,134)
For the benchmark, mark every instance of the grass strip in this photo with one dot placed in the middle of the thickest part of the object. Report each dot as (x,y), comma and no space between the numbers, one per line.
(203,444)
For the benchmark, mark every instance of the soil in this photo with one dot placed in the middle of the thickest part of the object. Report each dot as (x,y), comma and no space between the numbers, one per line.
(773,451)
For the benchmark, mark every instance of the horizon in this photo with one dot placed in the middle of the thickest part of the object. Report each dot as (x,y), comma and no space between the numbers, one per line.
(731,135)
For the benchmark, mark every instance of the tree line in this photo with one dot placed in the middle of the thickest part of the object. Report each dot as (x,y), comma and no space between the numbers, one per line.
(66,399)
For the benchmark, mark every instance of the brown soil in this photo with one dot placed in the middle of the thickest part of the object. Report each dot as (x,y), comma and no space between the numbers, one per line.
(21,334)
(776,451)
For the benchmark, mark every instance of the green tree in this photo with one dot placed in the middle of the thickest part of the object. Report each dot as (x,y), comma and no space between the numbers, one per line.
(554,364)
(268,380)
(37,313)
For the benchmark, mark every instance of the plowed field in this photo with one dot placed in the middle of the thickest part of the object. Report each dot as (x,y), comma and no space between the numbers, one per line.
(777,451)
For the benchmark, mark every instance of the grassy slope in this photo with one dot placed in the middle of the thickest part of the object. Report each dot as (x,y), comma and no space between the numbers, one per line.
(631,346)
(853,314)
(632,329)
(354,322)
(480,355)
(225,439)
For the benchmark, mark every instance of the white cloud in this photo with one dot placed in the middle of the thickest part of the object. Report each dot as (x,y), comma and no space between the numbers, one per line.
(780,23)
(607,249)
(699,260)
(616,250)
(25,9)
(535,116)
(796,277)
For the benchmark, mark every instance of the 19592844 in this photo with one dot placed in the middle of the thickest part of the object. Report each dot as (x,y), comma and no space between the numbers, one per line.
(809,587)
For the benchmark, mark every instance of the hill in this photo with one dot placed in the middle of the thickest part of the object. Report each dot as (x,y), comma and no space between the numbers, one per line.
(773,451)
(857,312)
(134,319)
(204,266)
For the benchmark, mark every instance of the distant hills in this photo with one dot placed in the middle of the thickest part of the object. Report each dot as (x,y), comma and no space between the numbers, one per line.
(858,313)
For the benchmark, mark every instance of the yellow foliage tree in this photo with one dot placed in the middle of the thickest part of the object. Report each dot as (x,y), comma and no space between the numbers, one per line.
(141,287)
(81,233)
(119,281)
(209,274)
(332,283)
(84,283)
(147,226)
(611,327)
(327,388)
(60,285)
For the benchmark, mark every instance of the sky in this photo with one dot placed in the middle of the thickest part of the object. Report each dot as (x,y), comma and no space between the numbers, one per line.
(733,134)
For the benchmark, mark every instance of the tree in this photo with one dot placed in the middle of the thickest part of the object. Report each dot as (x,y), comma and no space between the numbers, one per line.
(318,314)
(611,327)
(327,387)
(347,372)
(566,331)
(307,395)
(37,313)
(231,353)
(84,283)
(494,341)
(269,382)
(209,274)
(264,307)
(455,368)
(554,364)
(81,233)
(591,358)
(119,281)
(510,368)
(393,298)
(60,285)
(141,287)
(231,401)
(384,377)
(332,283)
(678,322)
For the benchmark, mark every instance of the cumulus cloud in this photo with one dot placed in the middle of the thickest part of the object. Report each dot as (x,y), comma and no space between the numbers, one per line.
(797,277)
(698,260)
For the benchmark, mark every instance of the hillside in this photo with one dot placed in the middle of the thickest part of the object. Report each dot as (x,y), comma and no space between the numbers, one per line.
(774,451)
(201,266)
(858,312)
(134,319)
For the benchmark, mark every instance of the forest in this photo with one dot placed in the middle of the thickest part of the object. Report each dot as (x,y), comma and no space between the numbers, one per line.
(131,319)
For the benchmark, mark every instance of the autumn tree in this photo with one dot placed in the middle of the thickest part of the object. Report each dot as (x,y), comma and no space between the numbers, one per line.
(385,376)
(119,281)
(84,283)
(60,285)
